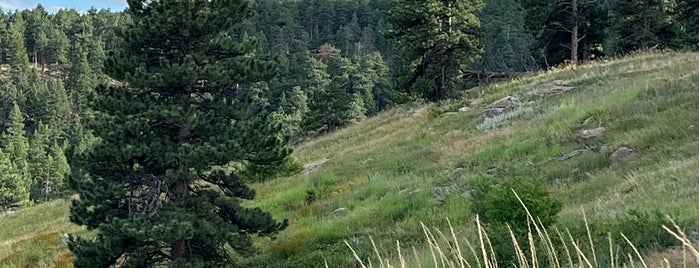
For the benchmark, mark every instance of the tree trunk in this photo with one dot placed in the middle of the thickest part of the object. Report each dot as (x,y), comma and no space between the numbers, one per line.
(181,191)
(178,247)
(574,34)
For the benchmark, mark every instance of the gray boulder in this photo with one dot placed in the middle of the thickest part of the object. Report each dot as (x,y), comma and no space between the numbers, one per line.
(591,134)
(622,155)
(340,212)
(554,88)
(313,166)
(502,106)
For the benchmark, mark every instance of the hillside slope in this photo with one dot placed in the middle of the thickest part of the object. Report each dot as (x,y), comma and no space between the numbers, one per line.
(416,164)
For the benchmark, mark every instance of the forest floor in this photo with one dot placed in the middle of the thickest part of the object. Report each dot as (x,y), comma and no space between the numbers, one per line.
(413,165)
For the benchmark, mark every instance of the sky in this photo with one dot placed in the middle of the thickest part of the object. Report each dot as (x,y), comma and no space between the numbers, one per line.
(55,5)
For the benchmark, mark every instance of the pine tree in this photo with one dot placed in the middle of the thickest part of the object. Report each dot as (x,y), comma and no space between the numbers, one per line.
(148,188)
(16,148)
(39,164)
(16,50)
(642,24)
(12,187)
(437,39)
(81,79)
(508,45)
(36,33)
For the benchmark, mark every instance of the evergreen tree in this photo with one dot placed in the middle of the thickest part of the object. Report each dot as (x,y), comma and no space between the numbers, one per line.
(16,49)
(437,39)
(508,45)
(36,32)
(81,80)
(55,51)
(59,168)
(40,166)
(688,19)
(148,187)
(374,68)
(15,148)
(12,187)
(642,24)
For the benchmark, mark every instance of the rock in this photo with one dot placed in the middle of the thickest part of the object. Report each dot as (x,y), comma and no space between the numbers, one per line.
(451,113)
(464,109)
(502,106)
(413,193)
(492,171)
(340,212)
(564,157)
(313,166)
(622,155)
(591,134)
(554,88)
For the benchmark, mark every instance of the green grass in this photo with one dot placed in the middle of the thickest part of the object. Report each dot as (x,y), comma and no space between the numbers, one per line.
(414,164)
(34,236)
(647,101)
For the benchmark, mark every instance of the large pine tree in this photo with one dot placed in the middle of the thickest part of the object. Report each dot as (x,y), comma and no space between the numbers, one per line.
(149,187)
(438,39)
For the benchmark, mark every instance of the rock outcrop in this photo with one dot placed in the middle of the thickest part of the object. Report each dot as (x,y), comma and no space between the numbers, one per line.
(554,88)
(313,166)
(622,155)
(502,106)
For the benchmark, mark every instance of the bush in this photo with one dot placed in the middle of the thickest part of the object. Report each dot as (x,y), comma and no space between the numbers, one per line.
(642,228)
(497,204)
(498,207)
(258,173)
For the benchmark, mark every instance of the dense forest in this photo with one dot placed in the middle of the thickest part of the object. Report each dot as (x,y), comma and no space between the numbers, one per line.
(328,63)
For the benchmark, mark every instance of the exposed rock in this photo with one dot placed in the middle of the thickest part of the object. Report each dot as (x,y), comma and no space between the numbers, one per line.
(340,212)
(492,171)
(554,88)
(591,134)
(313,166)
(413,193)
(622,155)
(502,106)
(464,109)
(564,157)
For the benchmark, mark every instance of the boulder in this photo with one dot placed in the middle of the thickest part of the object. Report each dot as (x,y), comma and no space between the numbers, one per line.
(591,134)
(313,166)
(566,156)
(622,155)
(553,88)
(464,109)
(340,212)
(502,106)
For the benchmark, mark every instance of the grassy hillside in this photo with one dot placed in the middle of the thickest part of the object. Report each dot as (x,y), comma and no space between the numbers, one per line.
(419,163)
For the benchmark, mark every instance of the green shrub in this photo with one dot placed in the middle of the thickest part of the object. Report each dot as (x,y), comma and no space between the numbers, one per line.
(258,173)
(497,204)
(498,207)
(642,228)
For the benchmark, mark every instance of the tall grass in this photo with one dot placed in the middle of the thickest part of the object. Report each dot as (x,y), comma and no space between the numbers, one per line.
(446,251)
